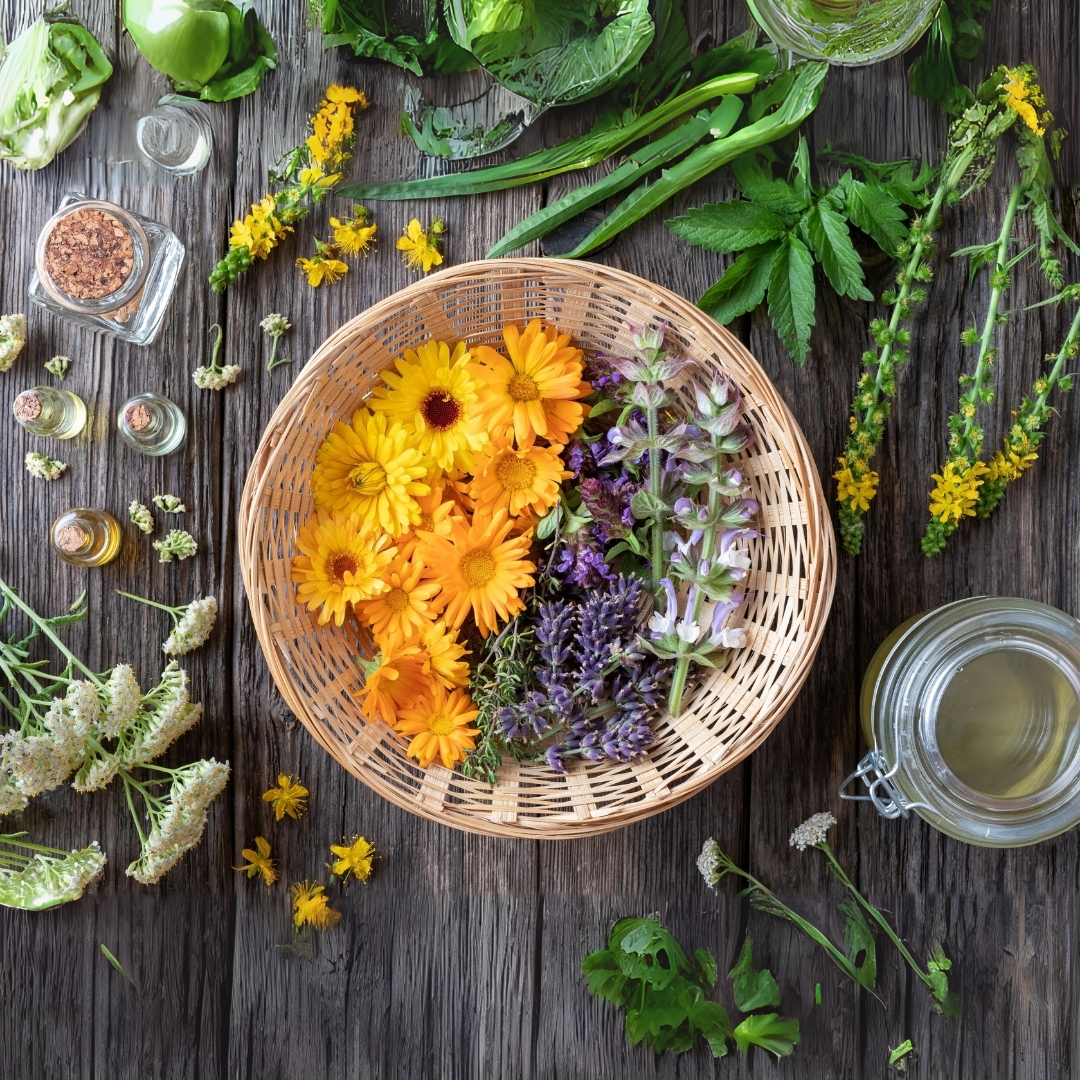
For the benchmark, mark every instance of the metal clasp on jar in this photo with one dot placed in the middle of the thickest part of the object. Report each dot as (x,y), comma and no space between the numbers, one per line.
(880,790)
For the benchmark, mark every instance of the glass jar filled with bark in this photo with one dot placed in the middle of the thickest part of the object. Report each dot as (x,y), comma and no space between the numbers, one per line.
(101,265)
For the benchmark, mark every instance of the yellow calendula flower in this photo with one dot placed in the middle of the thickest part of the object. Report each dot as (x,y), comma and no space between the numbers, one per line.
(1024,96)
(259,861)
(368,468)
(407,608)
(856,491)
(434,393)
(479,569)
(957,490)
(420,246)
(396,677)
(440,726)
(354,235)
(289,797)
(535,387)
(518,480)
(445,655)
(341,562)
(311,906)
(353,858)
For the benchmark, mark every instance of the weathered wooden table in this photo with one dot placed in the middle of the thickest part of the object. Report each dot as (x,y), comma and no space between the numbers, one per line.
(461,957)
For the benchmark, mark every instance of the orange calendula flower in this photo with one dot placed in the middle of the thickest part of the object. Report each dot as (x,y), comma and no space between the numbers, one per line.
(479,569)
(289,797)
(311,906)
(518,480)
(407,607)
(535,387)
(445,654)
(440,726)
(394,678)
(259,861)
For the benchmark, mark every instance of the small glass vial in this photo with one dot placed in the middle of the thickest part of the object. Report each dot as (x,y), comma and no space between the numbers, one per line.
(45,410)
(151,424)
(86,537)
(972,712)
(176,136)
(102,266)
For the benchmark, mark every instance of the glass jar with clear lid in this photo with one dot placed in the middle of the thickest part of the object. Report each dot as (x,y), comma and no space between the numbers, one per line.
(972,712)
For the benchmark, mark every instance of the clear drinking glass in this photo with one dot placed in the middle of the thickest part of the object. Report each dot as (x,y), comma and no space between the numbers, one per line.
(972,712)
(176,136)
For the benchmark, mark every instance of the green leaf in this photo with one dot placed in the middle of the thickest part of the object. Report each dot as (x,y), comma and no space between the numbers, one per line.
(980,255)
(753,989)
(757,183)
(603,976)
(905,1048)
(711,1019)
(800,169)
(707,967)
(792,297)
(831,241)
(938,965)
(777,1034)
(728,226)
(743,285)
(770,95)
(872,208)
(546,526)
(116,963)
(859,939)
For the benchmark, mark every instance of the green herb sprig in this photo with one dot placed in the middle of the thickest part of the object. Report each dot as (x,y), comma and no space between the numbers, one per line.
(955,34)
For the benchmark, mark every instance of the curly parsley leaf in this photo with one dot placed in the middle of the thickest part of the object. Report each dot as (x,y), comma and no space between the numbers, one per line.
(772,1032)
(753,989)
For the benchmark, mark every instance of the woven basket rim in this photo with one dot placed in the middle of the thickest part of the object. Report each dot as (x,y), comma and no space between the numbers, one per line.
(783,428)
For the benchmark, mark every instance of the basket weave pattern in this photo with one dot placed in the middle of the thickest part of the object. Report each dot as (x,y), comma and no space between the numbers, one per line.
(729,714)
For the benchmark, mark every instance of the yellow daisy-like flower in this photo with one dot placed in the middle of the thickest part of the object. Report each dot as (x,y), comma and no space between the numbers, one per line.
(479,569)
(354,235)
(420,246)
(445,653)
(957,490)
(311,906)
(1023,96)
(856,491)
(341,562)
(407,607)
(368,469)
(353,858)
(434,392)
(289,797)
(320,268)
(435,514)
(519,481)
(395,678)
(314,176)
(537,388)
(259,861)
(440,726)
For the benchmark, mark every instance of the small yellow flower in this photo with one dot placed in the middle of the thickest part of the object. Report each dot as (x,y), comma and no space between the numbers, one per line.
(1023,95)
(957,490)
(353,858)
(421,246)
(855,490)
(289,797)
(347,95)
(322,266)
(259,861)
(354,235)
(311,906)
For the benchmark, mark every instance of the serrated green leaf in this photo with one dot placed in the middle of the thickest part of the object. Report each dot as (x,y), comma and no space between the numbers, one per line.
(757,183)
(872,208)
(743,285)
(800,170)
(728,226)
(711,1019)
(777,1034)
(603,977)
(753,989)
(831,241)
(792,297)
(859,939)
(708,969)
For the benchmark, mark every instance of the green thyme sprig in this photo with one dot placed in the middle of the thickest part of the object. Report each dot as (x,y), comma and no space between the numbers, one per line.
(969,160)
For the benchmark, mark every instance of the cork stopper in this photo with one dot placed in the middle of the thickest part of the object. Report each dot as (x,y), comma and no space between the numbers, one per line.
(27,407)
(137,417)
(71,538)
(89,254)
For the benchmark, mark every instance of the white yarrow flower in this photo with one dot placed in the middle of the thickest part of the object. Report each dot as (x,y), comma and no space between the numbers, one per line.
(275,324)
(179,545)
(171,504)
(58,366)
(124,697)
(12,339)
(813,831)
(49,878)
(708,862)
(166,713)
(140,516)
(42,467)
(96,773)
(194,627)
(209,378)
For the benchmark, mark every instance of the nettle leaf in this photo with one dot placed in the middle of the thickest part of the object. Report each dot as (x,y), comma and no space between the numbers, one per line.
(828,234)
(753,989)
(777,1034)
(792,296)
(729,226)
(757,183)
(743,285)
(859,941)
(878,213)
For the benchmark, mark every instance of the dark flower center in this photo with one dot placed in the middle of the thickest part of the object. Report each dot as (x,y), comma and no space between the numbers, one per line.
(440,410)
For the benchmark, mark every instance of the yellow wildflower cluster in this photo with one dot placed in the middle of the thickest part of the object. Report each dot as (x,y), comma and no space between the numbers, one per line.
(420,247)
(1021,93)
(957,490)
(1016,455)
(425,505)
(311,906)
(856,483)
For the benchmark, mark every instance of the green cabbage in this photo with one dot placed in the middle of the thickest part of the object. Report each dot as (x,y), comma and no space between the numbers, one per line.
(553,52)
(217,49)
(50,80)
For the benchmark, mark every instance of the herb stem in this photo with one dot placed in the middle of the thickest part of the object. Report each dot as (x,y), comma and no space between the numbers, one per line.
(47,630)
(153,603)
(657,536)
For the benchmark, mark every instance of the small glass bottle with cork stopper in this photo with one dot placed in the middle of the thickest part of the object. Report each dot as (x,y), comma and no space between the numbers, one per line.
(86,536)
(151,424)
(47,411)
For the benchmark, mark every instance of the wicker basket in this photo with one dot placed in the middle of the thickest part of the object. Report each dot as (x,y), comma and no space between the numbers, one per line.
(730,714)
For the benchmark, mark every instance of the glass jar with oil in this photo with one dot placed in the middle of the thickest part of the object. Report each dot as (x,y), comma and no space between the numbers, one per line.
(972,712)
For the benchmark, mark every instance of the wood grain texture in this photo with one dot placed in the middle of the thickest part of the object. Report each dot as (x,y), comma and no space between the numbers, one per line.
(460,959)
